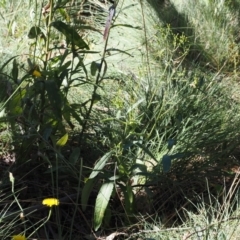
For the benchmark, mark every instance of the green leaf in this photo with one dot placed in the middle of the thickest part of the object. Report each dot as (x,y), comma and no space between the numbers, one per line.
(107,217)
(118,50)
(96,97)
(15,71)
(73,112)
(105,68)
(6,63)
(81,63)
(129,198)
(70,33)
(126,25)
(135,105)
(146,150)
(86,51)
(166,162)
(74,155)
(100,165)
(64,66)
(15,104)
(67,115)
(102,203)
(54,97)
(86,27)
(62,141)
(87,189)
(94,67)
(64,14)
(34,32)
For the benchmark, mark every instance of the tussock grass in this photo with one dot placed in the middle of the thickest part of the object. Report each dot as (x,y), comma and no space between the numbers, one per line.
(212,219)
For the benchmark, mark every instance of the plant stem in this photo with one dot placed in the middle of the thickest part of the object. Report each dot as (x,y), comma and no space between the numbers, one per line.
(49,214)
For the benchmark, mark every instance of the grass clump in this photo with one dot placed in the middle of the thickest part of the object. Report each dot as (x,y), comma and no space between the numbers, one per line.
(211,219)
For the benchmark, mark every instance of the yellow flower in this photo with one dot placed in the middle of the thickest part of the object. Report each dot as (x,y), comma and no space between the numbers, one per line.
(50,202)
(36,73)
(18,237)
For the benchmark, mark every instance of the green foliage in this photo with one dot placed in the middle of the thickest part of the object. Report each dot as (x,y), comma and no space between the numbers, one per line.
(110,140)
(102,202)
(39,110)
(71,35)
(41,100)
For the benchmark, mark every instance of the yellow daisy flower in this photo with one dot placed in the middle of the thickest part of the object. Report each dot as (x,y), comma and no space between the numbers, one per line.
(50,202)
(36,73)
(18,237)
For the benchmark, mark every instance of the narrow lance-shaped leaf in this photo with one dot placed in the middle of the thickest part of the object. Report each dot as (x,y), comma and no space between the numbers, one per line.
(102,203)
(6,63)
(87,189)
(15,106)
(128,199)
(146,150)
(74,155)
(15,71)
(100,165)
(70,33)
(64,14)
(105,68)
(127,25)
(135,105)
(62,141)
(118,50)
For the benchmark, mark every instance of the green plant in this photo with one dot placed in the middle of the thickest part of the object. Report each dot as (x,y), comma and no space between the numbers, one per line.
(38,108)
(158,132)
(168,120)
(213,220)
(122,168)
(19,218)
